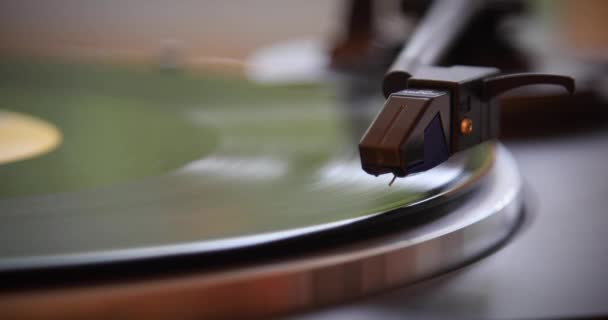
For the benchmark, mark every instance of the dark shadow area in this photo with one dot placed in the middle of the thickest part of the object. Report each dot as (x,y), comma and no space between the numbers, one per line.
(551,116)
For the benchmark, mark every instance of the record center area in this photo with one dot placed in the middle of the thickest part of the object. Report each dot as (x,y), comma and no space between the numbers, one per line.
(23,137)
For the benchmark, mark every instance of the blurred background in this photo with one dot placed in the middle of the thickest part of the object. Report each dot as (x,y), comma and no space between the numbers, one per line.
(138,30)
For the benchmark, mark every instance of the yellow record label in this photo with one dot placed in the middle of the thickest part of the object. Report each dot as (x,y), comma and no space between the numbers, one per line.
(23,136)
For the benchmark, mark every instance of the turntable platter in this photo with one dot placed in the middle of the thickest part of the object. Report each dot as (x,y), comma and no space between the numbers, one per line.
(156,163)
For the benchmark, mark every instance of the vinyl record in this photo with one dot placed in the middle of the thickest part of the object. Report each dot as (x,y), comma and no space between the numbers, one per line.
(133,162)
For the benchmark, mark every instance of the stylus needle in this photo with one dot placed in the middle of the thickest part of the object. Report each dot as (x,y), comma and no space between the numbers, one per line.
(393,180)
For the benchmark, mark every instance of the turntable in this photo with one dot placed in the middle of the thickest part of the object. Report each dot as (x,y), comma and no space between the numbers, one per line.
(131,191)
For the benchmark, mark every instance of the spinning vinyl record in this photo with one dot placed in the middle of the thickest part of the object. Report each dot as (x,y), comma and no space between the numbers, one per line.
(121,163)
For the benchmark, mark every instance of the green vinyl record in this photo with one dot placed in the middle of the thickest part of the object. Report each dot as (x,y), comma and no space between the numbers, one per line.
(188,161)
